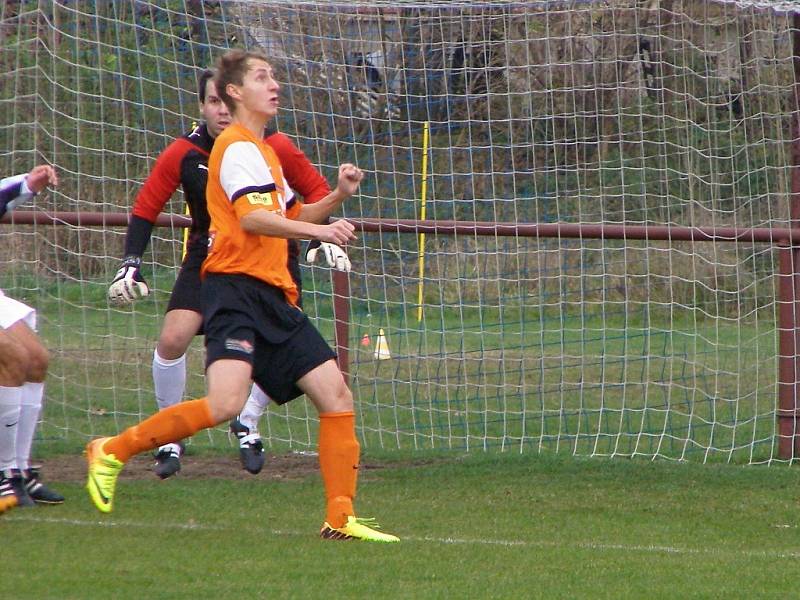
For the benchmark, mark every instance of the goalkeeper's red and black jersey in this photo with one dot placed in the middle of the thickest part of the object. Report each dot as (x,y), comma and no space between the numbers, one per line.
(185,163)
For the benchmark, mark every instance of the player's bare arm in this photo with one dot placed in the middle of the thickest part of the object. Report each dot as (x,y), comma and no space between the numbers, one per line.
(264,222)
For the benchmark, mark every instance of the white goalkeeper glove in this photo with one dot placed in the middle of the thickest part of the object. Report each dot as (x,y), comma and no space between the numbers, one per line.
(335,255)
(128,284)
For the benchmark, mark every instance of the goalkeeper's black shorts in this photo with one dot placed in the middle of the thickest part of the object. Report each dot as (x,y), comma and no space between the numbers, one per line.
(186,291)
(247,319)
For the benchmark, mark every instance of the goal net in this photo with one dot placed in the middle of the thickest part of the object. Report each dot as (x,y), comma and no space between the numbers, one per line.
(621,112)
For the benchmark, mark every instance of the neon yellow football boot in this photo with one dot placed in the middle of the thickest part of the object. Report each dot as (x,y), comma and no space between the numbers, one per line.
(357,529)
(103,472)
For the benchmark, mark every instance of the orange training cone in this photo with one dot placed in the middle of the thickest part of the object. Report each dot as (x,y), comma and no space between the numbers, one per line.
(365,340)
(382,347)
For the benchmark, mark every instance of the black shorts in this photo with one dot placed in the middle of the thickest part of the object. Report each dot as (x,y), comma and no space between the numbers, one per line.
(247,319)
(186,291)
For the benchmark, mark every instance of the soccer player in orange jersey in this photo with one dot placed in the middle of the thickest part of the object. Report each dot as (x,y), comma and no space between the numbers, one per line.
(184,163)
(254,328)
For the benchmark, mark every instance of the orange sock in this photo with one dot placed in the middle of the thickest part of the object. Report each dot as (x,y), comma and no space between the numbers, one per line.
(339,452)
(169,425)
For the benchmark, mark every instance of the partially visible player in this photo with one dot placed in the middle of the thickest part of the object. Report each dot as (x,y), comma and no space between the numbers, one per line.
(185,163)
(253,326)
(23,368)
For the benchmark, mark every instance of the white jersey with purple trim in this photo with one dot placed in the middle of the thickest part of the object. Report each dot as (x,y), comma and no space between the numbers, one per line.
(13,192)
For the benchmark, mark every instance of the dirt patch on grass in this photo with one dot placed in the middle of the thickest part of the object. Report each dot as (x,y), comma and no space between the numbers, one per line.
(287,466)
(294,465)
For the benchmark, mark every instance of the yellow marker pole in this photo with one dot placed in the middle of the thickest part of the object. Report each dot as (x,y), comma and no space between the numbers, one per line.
(423,197)
(185,234)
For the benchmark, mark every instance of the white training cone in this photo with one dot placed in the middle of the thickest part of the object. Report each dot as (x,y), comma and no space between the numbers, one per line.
(382,347)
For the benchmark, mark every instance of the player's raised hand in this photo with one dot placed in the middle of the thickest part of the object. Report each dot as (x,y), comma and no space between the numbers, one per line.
(339,232)
(40,177)
(349,178)
(128,284)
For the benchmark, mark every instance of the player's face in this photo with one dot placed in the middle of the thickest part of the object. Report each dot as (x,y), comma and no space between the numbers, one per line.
(215,113)
(259,89)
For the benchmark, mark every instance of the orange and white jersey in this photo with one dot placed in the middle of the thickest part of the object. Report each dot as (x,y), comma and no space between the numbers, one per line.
(244,175)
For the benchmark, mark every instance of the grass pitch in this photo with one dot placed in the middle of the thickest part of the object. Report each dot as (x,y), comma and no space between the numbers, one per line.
(482,525)
(478,526)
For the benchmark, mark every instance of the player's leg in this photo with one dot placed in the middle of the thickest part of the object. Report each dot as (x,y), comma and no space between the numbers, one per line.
(13,358)
(169,359)
(245,428)
(339,454)
(12,376)
(182,323)
(228,381)
(25,356)
(169,376)
(339,450)
(36,366)
(229,355)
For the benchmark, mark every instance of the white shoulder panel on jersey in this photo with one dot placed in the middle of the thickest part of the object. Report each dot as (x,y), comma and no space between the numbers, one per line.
(243,167)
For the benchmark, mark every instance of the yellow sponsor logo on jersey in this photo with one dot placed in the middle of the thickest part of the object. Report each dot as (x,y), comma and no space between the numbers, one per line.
(260,198)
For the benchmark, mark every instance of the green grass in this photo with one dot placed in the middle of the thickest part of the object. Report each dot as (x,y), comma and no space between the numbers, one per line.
(498,526)
(545,523)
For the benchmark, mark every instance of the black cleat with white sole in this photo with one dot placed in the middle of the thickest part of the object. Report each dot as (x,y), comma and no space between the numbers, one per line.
(39,492)
(251,449)
(168,460)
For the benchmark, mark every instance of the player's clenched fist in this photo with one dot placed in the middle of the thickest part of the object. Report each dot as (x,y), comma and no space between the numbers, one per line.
(128,284)
(40,177)
(349,178)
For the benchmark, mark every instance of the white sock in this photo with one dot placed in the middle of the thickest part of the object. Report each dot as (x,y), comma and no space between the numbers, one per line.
(10,400)
(169,378)
(30,409)
(253,409)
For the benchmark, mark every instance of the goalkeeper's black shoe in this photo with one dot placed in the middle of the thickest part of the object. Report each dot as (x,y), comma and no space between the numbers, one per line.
(168,460)
(12,490)
(251,450)
(39,492)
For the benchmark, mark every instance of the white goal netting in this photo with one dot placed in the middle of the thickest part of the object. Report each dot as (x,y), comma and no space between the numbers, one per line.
(649,112)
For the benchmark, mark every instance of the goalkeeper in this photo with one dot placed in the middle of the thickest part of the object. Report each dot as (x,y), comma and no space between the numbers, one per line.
(185,162)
